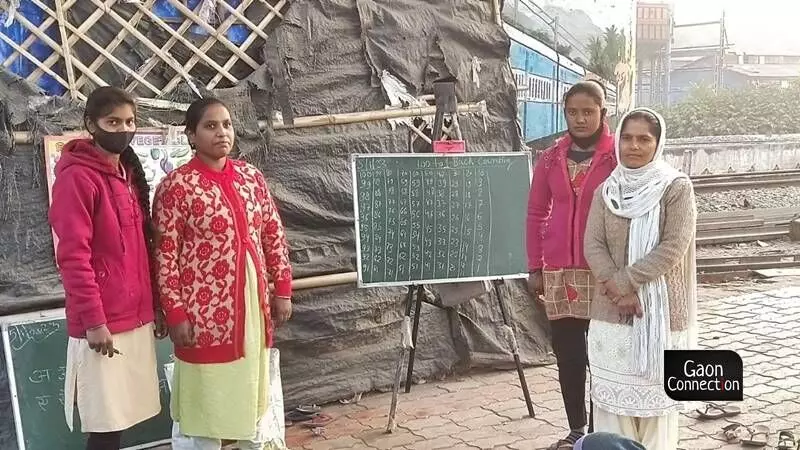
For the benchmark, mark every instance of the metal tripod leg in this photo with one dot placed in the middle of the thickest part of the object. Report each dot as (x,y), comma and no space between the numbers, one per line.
(405,343)
(509,331)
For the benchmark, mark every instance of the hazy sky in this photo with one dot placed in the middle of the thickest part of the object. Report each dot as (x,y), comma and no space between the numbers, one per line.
(754,26)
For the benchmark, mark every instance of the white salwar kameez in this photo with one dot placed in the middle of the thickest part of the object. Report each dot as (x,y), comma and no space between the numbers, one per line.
(624,402)
(626,361)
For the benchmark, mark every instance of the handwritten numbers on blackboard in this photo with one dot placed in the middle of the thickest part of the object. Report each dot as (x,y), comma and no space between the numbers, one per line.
(426,217)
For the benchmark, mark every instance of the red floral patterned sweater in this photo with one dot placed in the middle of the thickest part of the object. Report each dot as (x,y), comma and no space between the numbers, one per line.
(207,222)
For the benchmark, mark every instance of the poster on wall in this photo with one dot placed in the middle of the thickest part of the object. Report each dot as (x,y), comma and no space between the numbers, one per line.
(160,150)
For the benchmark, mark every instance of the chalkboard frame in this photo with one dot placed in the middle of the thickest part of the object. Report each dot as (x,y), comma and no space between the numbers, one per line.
(29,318)
(353,160)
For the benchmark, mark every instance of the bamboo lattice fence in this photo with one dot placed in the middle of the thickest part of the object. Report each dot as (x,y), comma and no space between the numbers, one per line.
(91,43)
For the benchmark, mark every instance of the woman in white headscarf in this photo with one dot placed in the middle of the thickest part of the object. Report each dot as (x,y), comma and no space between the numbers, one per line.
(640,244)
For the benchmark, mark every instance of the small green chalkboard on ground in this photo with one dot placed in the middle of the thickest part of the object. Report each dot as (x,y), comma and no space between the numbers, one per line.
(439,218)
(35,348)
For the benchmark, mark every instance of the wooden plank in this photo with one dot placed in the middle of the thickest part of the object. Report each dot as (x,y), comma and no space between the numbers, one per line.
(734,267)
(747,259)
(773,273)
(725,216)
(737,238)
(712,226)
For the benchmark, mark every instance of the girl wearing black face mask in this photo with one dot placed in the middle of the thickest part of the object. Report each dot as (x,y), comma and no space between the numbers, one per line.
(100,213)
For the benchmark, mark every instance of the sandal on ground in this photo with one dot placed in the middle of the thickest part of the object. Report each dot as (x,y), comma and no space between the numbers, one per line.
(759,434)
(715,411)
(308,409)
(786,440)
(295,416)
(731,432)
(562,444)
(318,421)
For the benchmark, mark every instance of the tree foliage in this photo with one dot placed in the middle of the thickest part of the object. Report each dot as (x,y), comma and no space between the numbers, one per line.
(606,51)
(752,110)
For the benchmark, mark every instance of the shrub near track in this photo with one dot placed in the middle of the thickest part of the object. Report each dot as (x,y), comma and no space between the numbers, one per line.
(752,110)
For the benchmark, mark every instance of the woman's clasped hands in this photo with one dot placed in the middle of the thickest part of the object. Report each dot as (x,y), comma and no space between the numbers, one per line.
(628,305)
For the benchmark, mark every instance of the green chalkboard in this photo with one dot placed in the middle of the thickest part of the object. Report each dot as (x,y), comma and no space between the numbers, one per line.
(438,218)
(35,350)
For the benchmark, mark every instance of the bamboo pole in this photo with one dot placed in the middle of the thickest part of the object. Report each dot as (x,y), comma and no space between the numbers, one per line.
(324,281)
(235,12)
(172,62)
(228,64)
(212,31)
(276,10)
(52,59)
(250,39)
(36,62)
(498,14)
(89,41)
(118,39)
(32,39)
(208,60)
(419,133)
(24,137)
(153,62)
(65,44)
(368,116)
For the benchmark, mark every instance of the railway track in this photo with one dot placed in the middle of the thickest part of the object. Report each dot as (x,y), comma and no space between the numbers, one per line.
(745,180)
(732,227)
(726,264)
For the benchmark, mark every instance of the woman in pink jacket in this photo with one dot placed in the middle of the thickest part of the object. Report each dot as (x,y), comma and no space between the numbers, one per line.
(100,212)
(564,180)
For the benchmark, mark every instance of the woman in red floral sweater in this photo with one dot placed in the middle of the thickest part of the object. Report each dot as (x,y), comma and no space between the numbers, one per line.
(220,242)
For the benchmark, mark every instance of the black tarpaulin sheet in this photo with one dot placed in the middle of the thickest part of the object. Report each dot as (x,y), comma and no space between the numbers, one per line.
(326,57)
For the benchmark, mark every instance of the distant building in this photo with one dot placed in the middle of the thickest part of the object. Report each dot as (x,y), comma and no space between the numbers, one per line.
(673,59)
(740,75)
(738,71)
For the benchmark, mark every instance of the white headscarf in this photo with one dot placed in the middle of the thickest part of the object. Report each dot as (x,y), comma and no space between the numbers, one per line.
(636,194)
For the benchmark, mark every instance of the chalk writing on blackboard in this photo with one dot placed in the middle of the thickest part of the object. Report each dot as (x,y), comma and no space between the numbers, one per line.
(43,401)
(39,376)
(20,335)
(434,218)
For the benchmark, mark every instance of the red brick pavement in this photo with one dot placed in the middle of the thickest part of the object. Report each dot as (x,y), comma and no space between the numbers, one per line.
(486,410)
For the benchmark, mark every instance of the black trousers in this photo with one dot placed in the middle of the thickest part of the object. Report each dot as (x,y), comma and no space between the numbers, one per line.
(104,441)
(569,345)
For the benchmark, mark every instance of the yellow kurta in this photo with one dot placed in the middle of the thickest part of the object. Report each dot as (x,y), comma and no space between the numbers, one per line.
(225,400)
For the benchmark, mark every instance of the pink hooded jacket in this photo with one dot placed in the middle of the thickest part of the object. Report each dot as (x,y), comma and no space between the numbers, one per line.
(556,216)
(101,250)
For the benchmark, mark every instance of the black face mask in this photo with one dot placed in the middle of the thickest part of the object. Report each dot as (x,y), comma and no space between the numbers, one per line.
(113,141)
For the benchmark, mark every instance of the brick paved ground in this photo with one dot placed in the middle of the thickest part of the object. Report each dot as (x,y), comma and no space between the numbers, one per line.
(487,411)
